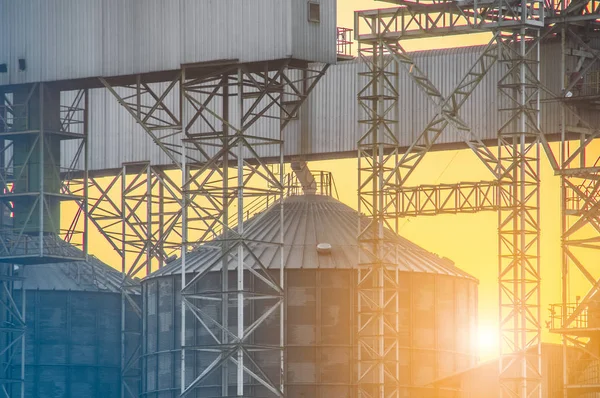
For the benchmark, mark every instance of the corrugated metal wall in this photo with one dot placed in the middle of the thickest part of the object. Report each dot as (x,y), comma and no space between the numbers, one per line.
(73,344)
(330,117)
(311,38)
(438,314)
(70,39)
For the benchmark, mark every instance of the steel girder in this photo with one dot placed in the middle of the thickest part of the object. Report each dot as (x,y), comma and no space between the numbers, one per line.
(223,174)
(431,200)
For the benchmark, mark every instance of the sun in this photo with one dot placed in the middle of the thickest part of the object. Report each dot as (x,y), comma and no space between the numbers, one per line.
(487,342)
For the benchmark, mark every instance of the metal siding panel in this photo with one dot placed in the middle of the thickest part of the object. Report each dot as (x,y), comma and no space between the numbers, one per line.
(228,29)
(71,39)
(140,36)
(58,40)
(314,41)
(75,333)
(5,38)
(67,39)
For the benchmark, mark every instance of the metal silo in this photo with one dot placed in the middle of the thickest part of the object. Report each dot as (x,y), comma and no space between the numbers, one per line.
(438,308)
(73,330)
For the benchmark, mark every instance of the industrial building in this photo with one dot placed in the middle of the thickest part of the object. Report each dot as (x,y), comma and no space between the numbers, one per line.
(168,126)
(321,258)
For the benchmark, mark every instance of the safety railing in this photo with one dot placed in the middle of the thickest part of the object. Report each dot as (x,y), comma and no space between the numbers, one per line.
(324,184)
(344,42)
(582,85)
(587,317)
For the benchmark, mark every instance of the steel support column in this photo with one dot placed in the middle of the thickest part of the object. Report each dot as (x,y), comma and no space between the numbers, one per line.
(223,174)
(12,334)
(138,212)
(383,172)
(579,171)
(36,179)
(519,215)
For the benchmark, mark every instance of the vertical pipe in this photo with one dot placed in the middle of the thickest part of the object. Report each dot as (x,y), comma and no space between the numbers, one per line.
(501,176)
(123,272)
(23,336)
(161,224)
(282,302)
(522,212)
(85,173)
(41,141)
(148,236)
(379,181)
(225,261)
(563,219)
(184,237)
(537,210)
(240,230)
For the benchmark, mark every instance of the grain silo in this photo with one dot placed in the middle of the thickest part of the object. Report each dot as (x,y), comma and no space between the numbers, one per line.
(73,330)
(438,308)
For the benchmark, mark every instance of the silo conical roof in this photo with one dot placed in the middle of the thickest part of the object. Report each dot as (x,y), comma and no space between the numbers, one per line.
(91,275)
(311,220)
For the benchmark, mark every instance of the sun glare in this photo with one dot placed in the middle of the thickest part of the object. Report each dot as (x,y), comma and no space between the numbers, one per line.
(487,342)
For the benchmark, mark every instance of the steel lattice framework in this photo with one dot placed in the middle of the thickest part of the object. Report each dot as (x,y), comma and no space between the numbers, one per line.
(208,136)
(517,28)
(222,167)
(577,164)
(138,212)
(36,181)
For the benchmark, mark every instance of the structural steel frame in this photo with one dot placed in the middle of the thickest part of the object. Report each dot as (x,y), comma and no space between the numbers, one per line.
(577,164)
(515,193)
(21,246)
(517,31)
(69,124)
(212,142)
(223,168)
(138,212)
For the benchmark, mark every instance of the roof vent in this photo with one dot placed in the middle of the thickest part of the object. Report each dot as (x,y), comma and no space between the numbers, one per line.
(171,258)
(324,248)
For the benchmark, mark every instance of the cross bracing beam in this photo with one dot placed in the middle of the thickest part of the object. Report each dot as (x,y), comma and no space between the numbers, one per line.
(138,212)
(148,107)
(223,169)
(421,19)
(431,200)
(516,29)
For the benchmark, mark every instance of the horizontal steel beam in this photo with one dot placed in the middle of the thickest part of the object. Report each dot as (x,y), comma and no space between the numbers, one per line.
(430,200)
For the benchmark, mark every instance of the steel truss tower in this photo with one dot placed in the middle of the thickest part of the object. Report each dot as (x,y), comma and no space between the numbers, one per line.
(578,165)
(210,135)
(515,44)
(225,172)
(36,121)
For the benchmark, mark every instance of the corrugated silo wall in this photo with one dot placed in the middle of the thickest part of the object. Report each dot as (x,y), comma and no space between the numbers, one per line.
(73,344)
(438,314)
